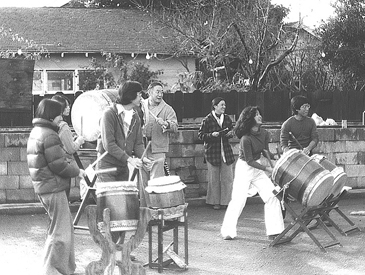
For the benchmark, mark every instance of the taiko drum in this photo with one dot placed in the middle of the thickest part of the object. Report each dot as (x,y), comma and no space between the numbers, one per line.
(308,181)
(340,177)
(164,192)
(122,200)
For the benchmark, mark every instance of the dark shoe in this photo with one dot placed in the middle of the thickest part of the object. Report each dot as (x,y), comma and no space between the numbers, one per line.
(227,238)
(216,207)
(133,258)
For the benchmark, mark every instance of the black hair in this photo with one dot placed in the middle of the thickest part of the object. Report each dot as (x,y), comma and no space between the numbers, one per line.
(296,102)
(128,92)
(48,109)
(63,100)
(215,101)
(246,121)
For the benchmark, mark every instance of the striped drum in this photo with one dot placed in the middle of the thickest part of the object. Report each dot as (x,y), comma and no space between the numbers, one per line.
(308,181)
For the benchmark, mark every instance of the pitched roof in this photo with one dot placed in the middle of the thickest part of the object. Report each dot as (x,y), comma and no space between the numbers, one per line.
(83,30)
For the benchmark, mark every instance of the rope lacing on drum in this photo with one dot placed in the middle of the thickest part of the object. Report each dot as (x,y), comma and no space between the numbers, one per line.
(286,185)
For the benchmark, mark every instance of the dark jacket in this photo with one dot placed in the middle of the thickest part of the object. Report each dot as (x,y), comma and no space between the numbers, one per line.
(48,166)
(112,139)
(212,145)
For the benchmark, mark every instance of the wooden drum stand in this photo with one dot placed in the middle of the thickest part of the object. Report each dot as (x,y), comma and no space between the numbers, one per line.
(318,213)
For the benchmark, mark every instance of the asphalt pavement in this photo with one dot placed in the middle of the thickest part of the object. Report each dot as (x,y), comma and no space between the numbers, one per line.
(22,236)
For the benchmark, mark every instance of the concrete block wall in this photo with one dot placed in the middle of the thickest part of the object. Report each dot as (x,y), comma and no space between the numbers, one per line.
(343,147)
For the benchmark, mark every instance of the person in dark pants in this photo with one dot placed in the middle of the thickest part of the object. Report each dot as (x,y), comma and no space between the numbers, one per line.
(50,172)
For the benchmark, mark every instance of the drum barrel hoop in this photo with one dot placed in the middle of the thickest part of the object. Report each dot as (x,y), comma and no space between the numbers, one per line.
(308,180)
(293,160)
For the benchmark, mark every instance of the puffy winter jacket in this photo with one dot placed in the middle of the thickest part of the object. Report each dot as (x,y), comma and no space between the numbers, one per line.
(48,166)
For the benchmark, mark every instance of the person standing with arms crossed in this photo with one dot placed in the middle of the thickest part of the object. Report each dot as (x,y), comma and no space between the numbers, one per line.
(50,172)
(299,131)
(215,131)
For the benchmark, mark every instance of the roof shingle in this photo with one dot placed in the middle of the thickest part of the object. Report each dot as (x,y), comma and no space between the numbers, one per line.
(84,30)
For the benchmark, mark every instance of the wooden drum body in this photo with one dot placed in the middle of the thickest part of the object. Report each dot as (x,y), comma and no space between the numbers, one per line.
(122,200)
(309,182)
(88,109)
(164,192)
(340,177)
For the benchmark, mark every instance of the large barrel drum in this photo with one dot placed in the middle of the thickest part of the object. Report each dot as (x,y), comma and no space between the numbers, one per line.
(308,181)
(340,177)
(87,110)
(121,197)
(165,192)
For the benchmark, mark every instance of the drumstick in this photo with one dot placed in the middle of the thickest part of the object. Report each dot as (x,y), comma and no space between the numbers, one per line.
(82,126)
(225,129)
(107,170)
(99,159)
(267,155)
(293,137)
(155,117)
(135,171)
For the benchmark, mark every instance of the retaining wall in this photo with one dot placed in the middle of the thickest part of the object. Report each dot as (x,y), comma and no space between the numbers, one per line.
(343,147)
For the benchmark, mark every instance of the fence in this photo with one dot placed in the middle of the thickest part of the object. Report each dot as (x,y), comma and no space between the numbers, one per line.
(275,105)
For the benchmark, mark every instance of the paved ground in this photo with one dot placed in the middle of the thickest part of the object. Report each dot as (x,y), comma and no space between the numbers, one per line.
(22,238)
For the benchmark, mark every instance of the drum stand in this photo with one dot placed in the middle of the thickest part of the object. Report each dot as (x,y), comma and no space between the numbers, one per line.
(166,219)
(303,219)
(331,203)
(90,192)
(109,260)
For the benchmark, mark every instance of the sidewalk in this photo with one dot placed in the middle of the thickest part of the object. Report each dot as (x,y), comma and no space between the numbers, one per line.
(22,239)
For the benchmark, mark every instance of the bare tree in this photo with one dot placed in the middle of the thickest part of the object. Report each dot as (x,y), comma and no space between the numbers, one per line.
(236,37)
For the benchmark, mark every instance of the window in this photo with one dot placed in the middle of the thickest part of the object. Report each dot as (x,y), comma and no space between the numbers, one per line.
(37,81)
(60,81)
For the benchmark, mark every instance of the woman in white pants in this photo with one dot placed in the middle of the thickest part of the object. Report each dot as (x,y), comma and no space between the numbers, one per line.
(249,171)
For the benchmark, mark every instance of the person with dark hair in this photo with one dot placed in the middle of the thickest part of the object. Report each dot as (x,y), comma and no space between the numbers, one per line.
(159,121)
(299,131)
(70,143)
(249,171)
(121,135)
(215,131)
(50,173)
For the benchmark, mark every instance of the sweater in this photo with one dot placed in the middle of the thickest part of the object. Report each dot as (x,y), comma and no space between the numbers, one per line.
(119,145)
(304,131)
(252,146)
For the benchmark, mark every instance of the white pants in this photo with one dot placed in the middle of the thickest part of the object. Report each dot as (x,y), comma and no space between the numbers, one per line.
(245,176)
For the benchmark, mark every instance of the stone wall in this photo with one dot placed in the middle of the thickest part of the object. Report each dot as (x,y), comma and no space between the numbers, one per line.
(343,147)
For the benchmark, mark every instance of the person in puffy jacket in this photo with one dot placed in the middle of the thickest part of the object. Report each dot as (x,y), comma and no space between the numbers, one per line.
(50,172)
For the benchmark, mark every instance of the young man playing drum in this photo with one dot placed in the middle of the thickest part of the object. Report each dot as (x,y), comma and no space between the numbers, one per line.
(299,131)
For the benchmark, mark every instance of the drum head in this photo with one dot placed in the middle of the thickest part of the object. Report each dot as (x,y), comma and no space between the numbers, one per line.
(87,111)
(318,190)
(340,181)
